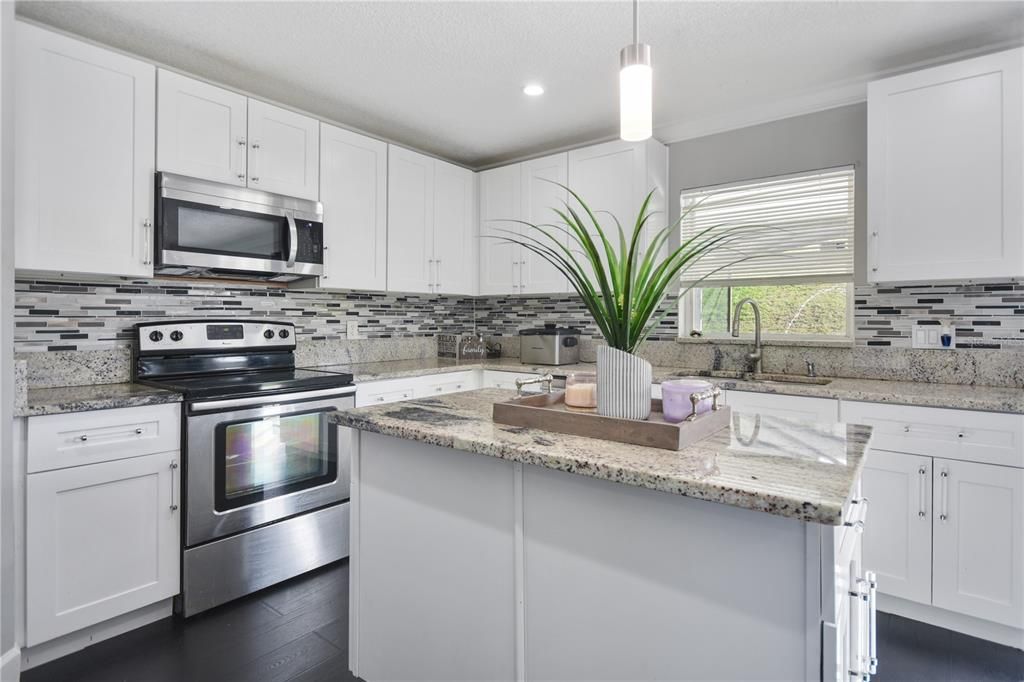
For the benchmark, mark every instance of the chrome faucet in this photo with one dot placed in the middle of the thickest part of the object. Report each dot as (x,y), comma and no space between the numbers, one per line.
(755,355)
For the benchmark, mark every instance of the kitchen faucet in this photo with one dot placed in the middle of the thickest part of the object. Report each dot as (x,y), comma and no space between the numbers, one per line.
(754,355)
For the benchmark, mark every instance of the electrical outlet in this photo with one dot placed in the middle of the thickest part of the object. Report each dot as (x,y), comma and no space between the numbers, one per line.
(352,329)
(930,336)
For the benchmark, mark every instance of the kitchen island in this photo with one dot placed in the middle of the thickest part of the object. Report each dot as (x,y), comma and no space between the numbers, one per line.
(485,551)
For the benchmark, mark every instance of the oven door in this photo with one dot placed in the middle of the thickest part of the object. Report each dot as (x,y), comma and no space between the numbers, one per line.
(237,231)
(247,465)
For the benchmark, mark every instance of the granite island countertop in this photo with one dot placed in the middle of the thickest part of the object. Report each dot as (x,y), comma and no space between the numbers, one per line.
(42,401)
(793,469)
(922,394)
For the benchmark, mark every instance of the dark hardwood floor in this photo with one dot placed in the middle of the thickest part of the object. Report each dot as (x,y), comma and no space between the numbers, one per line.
(299,631)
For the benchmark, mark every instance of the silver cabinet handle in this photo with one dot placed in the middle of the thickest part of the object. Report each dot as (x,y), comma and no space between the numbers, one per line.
(241,141)
(380,399)
(293,239)
(147,252)
(430,274)
(83,438)
(256,144)
(138,432)
(326,260)
(960,435)
(944,476)
(255,178)
(241,176)
(437,278)
(906,429)
(922,491)
(872,621)
(174,467)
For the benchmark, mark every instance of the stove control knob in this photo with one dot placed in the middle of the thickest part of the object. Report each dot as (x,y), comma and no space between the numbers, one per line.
(156,336)
(176,335)
(269,334)
(283,333)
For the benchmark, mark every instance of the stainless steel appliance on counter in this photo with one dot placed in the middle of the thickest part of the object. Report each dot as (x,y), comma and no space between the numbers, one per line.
(549,345)
(210,229)
(266,479)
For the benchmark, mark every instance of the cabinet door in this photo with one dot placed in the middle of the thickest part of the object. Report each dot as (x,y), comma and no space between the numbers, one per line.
(84,157)
(500,266)
(946,180)
(898,538)
(201,129)
(540,196)
(608,177)
(979,540)
(410,221)
(284,151)
(455,255)
(101,540)
(354,192)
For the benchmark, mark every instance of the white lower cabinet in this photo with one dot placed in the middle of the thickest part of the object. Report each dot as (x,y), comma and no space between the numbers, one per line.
(979,540)
(395,390)
(899,549)
(101,540)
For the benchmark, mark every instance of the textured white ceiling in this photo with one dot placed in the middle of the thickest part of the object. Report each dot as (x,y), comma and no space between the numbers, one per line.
(446,77)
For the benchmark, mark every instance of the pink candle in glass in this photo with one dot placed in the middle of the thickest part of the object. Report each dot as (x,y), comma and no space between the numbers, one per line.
(675,398)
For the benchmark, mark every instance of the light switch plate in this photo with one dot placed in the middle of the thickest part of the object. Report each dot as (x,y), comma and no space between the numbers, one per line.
(929,336)
(352,329)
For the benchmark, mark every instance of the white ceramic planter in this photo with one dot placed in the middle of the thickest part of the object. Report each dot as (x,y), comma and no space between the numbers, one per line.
(623,384)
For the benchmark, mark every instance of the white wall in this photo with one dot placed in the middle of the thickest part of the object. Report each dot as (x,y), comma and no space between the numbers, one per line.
(7,558)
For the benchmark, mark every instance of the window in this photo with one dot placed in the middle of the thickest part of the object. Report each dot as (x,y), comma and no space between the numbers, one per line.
(790,249)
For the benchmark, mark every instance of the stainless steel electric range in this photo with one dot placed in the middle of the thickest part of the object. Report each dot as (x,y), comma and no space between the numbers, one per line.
(266,480)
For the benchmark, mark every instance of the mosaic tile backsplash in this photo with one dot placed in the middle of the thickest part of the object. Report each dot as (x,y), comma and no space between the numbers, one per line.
(983,315)
(66,315)
(61,315)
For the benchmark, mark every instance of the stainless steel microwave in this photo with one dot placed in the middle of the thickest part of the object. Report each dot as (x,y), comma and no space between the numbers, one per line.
(210,229)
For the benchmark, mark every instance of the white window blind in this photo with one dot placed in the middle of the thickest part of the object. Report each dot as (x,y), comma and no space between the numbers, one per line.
(797,228)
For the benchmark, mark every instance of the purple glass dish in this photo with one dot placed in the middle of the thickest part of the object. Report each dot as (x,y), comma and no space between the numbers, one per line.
(675,398)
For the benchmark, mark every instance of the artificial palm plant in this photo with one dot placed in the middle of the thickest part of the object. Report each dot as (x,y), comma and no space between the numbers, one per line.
(621,285)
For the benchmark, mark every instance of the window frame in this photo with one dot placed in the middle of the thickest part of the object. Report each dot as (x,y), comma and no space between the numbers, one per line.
(690,319)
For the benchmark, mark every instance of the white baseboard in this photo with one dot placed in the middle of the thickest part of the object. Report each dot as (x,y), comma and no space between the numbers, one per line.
(10,665)
(958,622)
(76,641)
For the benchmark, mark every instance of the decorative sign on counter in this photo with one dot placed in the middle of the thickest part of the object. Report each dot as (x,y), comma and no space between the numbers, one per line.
(548,412)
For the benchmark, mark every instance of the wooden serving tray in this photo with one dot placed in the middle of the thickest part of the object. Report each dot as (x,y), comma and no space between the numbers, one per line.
(548,412)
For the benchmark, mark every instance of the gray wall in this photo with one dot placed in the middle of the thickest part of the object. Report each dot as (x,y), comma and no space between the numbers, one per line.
(836,137)
(7,559)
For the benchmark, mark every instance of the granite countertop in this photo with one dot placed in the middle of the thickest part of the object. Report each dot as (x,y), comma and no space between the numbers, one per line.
(984,398)
(788,468)
(41,401)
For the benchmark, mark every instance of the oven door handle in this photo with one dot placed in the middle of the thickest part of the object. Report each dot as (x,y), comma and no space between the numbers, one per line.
(208,405)
(293,239)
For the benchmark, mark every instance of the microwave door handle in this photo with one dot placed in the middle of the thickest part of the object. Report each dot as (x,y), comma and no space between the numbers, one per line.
(293,239)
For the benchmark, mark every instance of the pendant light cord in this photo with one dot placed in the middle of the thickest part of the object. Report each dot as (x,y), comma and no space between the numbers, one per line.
(636,22)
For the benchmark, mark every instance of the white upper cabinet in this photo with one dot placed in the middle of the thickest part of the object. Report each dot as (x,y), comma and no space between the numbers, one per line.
(522,191)
(616,177)
(431,225)
(353,190)
(540,195)
(410,221)
(500,196)
(84,157)
(946,172)
(455,243)
(201,129)
(284,151)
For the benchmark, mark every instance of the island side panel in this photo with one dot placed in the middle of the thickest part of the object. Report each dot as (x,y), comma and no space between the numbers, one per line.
(434,546)
(625,583)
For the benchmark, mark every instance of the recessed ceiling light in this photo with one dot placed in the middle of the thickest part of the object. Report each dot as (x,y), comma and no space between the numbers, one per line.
(533,90)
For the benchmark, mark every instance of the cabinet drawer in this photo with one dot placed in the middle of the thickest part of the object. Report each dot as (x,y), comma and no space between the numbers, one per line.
(57,441)
(821,410)
(987,437)
(390,395)
(444,383)
(500,379)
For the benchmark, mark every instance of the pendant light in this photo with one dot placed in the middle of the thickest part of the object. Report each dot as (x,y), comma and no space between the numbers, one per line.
(635,92)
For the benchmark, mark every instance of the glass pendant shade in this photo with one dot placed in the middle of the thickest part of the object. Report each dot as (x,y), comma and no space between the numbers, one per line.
(636,93)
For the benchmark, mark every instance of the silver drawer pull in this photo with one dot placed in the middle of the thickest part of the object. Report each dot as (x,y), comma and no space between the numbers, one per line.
(138,432)
(380,399)
(944,476)
(856,525)
(922,486)
(83,438)
(960,435)
(906,429)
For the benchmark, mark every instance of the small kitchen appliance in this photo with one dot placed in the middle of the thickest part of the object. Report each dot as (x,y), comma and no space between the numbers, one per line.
(266,476)
(549,345)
